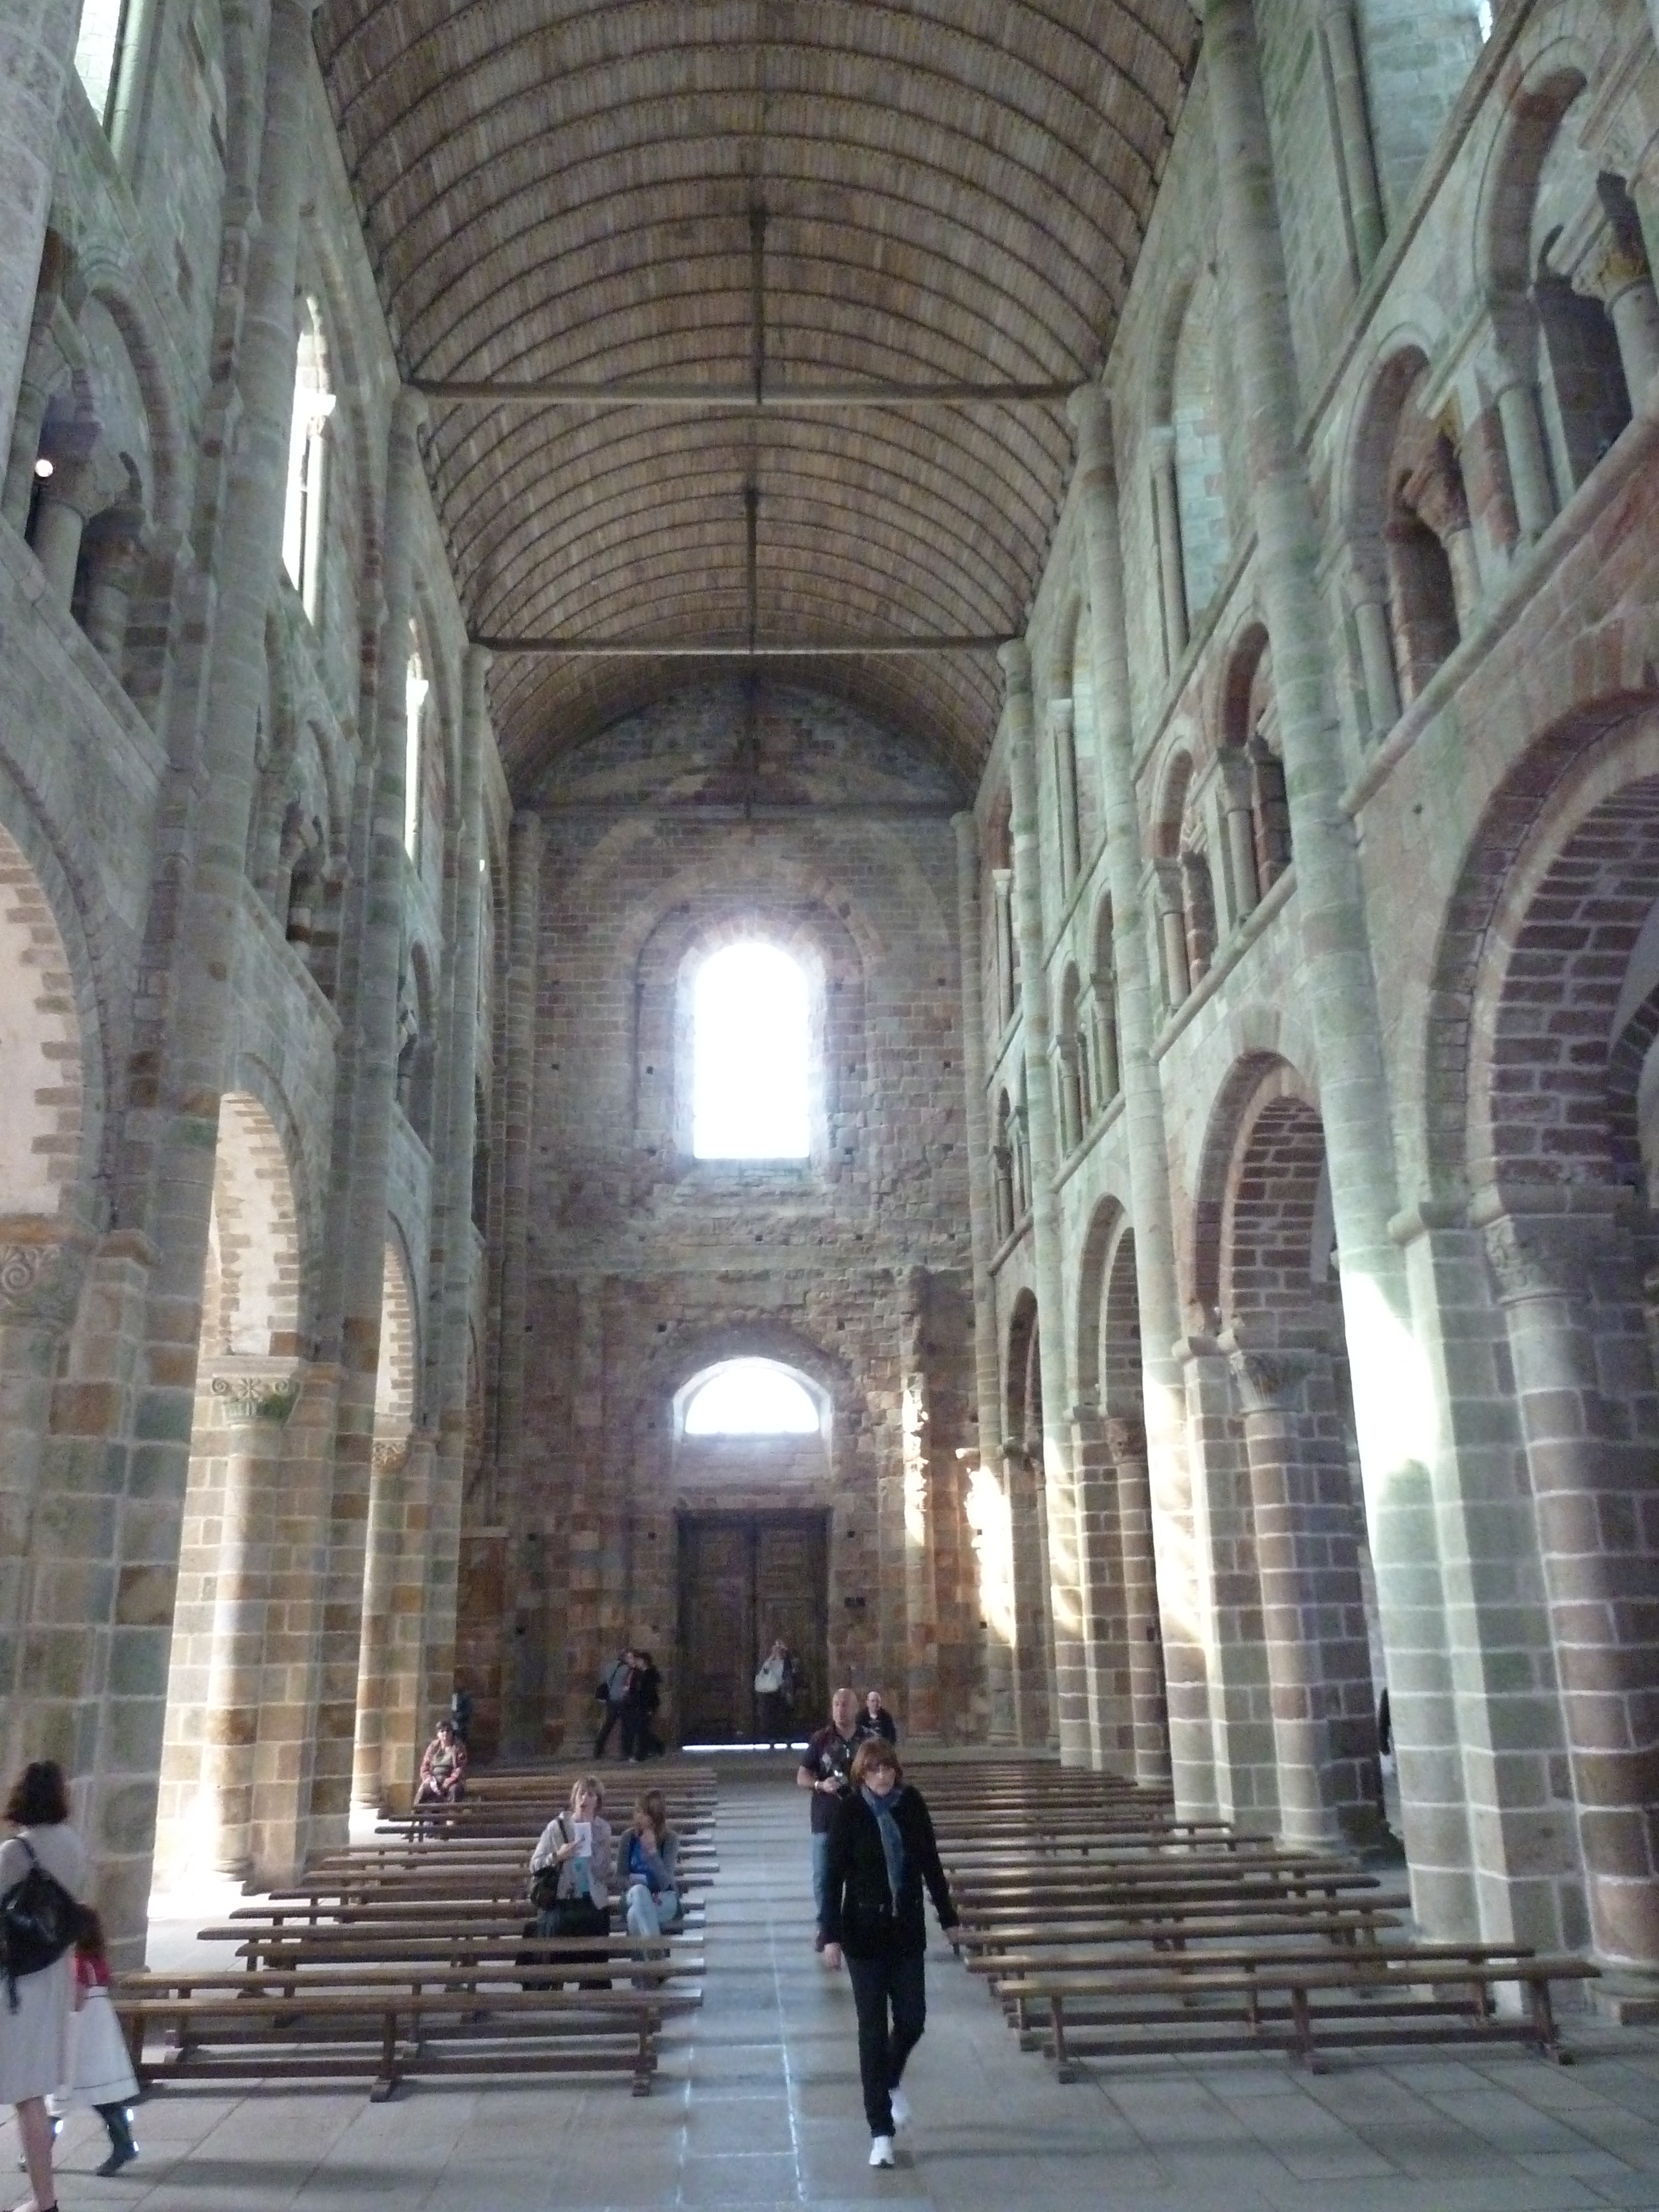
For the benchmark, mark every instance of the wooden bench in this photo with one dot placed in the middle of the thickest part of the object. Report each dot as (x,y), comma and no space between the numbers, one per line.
(389,2023)
(499,1952)
(1294,1999)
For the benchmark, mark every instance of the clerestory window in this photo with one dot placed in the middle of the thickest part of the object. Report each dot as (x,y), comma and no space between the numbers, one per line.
(98,54)
(307,459)
(750,1398)
(751,1056)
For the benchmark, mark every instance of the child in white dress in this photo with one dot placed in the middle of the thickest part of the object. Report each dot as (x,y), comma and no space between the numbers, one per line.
(100,2070)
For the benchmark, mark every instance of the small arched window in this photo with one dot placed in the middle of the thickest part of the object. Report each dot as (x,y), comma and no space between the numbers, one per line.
(307,455)
(99,52)
(751,1056)
(750,1398)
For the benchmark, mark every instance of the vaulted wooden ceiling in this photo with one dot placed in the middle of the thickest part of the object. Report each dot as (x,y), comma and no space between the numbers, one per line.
(928,192)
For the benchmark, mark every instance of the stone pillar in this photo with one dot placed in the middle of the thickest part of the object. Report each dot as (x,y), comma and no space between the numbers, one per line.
(1354,148)
(1105,1628)
(1066,1567)
(517,1080)
(921,1598)
(408,1723)
(1143,1106)
(251,1401)
(1002,891)
(1166,507)
(1103,992)
(41,1265)
(454,1247)
(1063,728)
(989,1502)
(1616,272)
(1172,930)
(1569,1283)
(1240,824)
(1525,453)
(1126,1443)
(37,52)
(1370,622)
(114,570)
(1340,988)
(343,1732)
(67,498)
(172,1118)
(382,1540)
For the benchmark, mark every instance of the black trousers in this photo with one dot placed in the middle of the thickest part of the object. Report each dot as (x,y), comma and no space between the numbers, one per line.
(881,1987)
(612,1715)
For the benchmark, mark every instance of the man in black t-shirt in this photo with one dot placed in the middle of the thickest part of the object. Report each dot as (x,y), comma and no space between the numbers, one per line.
(825,1765)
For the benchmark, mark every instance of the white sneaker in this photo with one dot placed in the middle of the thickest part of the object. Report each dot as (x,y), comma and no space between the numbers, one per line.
(901,2104)
(881,2150)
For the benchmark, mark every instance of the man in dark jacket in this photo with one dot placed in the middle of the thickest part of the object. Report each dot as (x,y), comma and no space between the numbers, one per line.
(882,1851)
(826,1769)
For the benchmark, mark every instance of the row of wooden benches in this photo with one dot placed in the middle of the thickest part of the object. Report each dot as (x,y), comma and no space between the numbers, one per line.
(412,1955)
(1106,1929)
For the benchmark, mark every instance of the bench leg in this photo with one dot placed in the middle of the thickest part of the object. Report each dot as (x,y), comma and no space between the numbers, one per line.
(1545,2036)
(386,2080)
(1064,2068)
(1302,2028)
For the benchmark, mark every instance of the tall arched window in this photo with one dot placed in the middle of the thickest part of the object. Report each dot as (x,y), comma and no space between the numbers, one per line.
(416,684)
(98,53)
(750,1057)
(308,451)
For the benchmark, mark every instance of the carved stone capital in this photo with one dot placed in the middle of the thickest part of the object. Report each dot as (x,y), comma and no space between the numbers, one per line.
(255,1390)
(390,1453)
(1125,1440)
(1269,1376)
(41,1265)
(1541,1256)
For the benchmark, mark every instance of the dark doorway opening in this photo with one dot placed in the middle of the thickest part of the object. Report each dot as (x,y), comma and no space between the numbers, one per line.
(744,1578)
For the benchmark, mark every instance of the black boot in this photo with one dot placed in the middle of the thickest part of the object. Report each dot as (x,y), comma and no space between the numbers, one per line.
(122,2149)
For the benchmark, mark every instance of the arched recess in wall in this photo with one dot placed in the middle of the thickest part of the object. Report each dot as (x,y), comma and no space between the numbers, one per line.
(1188,469)
(1256,844)
(396,1379)
(1548,1124)
(1184,882)
(1562,259)
(1263,1263)
(1416,576)
(417,1042)
(248,1377)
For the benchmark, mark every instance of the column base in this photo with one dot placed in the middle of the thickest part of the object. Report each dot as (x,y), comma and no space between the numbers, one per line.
(1628,1998)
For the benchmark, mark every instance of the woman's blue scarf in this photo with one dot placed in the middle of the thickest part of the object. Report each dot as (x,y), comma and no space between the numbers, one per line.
(892,1844)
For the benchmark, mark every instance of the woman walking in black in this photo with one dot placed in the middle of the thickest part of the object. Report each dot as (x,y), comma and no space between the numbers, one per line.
(881,1851)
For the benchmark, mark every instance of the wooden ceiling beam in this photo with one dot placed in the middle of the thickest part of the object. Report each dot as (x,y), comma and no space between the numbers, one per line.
(737,398)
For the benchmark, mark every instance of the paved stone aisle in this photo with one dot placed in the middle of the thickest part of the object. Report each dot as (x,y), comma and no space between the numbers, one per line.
(757,2106)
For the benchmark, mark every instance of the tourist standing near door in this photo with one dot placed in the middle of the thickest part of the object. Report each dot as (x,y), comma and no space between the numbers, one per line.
(882,1849)
(826,1769)
(776,1681)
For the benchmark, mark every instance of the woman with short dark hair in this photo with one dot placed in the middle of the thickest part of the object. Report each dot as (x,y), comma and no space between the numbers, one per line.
(35,2007)
(882,1849)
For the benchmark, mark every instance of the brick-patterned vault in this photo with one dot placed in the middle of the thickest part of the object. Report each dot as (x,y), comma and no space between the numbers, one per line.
(952,192)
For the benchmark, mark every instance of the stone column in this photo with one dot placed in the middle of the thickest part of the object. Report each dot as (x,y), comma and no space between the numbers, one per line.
(921,1597)
(1063,729)
(1103,990)
(454,1247)
(1616,272)
(1065,1592)
(171,1122)
(381,1538)
(1354,148)
(1095,492)
(1524,451)
(348,1766)
(1106,1627)
(1172,930)
(517,1080)
(1166,507)
(41,1265)
(109,589)
(1569,1282)
(1002,891)
(408,1720)
(251,1401)
(1126,1443)
(1339,987)
(990,1513)
(37,52)
(1370,622)
(68,496)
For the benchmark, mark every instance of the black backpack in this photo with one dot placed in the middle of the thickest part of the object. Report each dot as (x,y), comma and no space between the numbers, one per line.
(39,1922)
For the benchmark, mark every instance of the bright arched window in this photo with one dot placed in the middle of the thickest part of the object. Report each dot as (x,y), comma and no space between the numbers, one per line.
(752,1398)
(416,684)
(750,1051)
(98,54)
(307,454)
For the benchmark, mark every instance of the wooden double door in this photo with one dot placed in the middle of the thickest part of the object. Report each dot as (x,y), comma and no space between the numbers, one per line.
(745,1578)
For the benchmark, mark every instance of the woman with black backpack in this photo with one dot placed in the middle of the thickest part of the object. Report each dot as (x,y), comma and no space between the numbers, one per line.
(44,1872)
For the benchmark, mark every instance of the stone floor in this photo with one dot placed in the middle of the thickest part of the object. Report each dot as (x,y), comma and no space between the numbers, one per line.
(757,2104)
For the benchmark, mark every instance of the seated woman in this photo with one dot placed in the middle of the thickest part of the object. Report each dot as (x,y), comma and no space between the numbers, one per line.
(570,1871)
(443,1768)
(649,1869)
